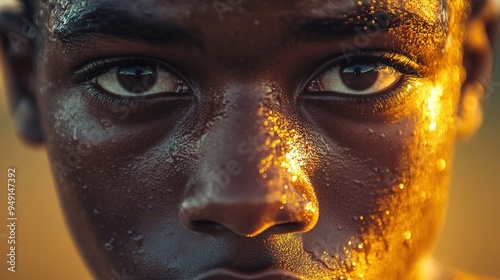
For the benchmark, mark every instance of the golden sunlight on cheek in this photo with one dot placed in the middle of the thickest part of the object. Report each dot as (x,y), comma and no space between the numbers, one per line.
(433,106)
(411,213)
(419,206)
(437,116)
(435,132)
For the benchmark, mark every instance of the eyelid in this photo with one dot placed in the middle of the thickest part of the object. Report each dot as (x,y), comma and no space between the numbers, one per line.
(387,78)
(88,71)
(402,63)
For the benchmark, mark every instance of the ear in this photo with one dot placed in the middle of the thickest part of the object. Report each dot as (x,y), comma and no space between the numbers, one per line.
(481,31)
(16,56)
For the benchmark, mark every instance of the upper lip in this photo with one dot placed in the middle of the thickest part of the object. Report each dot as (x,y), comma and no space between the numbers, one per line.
(235,275)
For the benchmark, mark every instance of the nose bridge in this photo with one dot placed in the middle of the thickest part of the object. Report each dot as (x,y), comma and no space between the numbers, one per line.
(250,176)
(235,146)
(242,124)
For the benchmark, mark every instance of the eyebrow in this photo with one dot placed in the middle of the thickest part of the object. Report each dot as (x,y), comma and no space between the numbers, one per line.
(359,22)
(108,21)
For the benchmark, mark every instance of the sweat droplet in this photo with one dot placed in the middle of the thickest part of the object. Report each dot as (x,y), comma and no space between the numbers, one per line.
(139,239)
(108,246)
(407,239)
(398,188)
(441,164)
(105,122)
(407,235)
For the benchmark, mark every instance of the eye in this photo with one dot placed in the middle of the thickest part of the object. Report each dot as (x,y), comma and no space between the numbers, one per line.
(356,79)
(140,80)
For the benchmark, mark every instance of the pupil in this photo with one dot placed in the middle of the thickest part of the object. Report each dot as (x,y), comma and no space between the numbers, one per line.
(360,76)
(138,73)
(137,79)
(357,72)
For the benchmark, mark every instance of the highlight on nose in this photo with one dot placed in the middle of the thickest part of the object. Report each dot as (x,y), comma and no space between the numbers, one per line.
(250,213)
(251,197)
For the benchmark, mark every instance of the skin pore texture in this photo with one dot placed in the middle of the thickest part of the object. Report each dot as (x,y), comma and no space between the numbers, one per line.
(312,139)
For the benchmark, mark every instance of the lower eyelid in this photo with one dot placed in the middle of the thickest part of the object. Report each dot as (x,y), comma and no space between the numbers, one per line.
(132,109)
(392,98)
(383,104)
(103,100)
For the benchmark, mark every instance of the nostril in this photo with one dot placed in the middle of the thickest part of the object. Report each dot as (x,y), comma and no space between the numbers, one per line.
(205,226)
(289,227)
(248,219)
(205,223)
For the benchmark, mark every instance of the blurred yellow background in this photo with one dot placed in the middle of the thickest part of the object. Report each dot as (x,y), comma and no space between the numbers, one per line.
(470,238)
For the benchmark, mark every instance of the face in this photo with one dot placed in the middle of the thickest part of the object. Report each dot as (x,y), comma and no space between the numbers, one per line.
(306,139)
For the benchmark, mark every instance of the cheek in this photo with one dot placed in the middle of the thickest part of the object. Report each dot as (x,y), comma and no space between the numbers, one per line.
(118,178)
(429,153)
(382,185)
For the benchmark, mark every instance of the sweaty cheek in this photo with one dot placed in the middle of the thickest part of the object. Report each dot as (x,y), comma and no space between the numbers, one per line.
(415,210)
(382,184)
(115,170)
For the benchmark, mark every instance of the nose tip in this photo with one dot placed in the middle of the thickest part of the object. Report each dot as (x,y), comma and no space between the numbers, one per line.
(249,218)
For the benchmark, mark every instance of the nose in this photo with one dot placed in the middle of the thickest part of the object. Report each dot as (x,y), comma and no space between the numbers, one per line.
(250,177)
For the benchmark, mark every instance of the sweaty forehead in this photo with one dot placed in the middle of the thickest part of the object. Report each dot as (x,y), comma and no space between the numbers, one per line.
(64,11)
(211,23)
(430,10)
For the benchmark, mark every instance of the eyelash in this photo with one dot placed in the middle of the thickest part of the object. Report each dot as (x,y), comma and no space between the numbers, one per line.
(86,75)
(91,70)
(392,96)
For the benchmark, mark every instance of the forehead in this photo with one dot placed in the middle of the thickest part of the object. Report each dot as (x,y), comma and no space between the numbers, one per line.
(203,23)
(195,11)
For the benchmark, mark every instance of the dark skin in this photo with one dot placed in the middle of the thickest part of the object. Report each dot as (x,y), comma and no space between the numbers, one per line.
(269,139)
